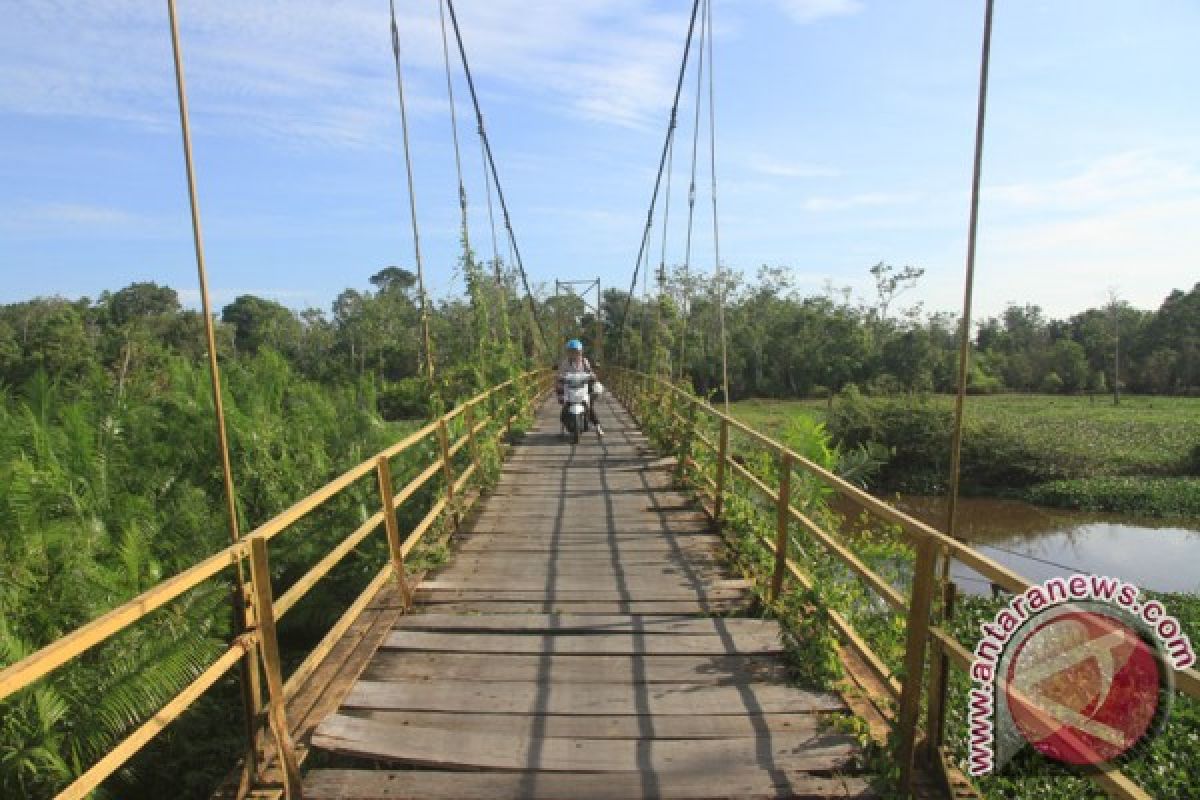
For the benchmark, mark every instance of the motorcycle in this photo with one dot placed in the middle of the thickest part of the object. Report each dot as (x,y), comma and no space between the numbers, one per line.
(576,396)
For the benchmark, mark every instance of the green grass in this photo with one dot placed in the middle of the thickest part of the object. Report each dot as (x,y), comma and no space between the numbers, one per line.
(770,416)
(1142,436)
(1140,457)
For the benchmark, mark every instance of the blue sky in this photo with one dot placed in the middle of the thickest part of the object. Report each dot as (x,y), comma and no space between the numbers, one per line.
(844,134)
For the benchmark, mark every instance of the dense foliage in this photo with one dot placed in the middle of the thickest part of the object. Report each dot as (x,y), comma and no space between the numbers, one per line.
(110,481)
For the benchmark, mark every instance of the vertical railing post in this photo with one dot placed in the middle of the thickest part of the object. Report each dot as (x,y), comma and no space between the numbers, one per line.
(251,681)
(505,407)
(395,547)
(939,668)
(919,607)
(722,457)
(782,518)
(447,469)
(268,645)
(685,442)
(470,416)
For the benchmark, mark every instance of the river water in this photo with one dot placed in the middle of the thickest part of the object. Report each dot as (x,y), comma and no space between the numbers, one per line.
(1040,543)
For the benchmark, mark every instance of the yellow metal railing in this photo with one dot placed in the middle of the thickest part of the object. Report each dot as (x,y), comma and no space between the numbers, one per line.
(495,409)
(646,396)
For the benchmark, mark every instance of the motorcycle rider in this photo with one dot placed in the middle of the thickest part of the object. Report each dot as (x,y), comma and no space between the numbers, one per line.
(576,362)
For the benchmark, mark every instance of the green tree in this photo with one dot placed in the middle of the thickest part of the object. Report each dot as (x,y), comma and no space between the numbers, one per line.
(259,323)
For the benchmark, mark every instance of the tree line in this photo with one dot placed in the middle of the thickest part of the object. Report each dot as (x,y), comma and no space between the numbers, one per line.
(783,343)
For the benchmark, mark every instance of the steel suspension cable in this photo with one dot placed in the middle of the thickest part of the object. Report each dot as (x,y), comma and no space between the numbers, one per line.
(248,668)
(712,152)
(412,198)
(964,334)
(501,289)
(662,256)
(687,47)
(685,306)
(491,160)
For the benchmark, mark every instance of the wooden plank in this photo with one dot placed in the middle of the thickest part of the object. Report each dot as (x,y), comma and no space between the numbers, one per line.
(522,697)
(440,748)
(604,644)
(706,554)
(599,726)
(602,571)
(460,591)
(594,564)
(714,669)
(757,783)
(594,525)
(486,605)
(657,587)
(593,623)
(585,548)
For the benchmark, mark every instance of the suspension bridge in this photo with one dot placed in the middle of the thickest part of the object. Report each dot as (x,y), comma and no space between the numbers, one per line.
(602,627)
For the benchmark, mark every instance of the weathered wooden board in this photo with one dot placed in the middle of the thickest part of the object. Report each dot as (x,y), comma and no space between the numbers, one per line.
(603,644)
(565,585)
(441,748)
(639,546)
(404,666)
(598,567)
(593,623)
(610,592)
(487,605)
(753,783)
(614,556)
(589,698)
(603,726)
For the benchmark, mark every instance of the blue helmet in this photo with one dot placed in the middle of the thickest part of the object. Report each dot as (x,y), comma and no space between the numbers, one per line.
(574,344)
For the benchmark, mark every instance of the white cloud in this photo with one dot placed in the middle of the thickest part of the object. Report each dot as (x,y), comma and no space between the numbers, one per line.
(865,200)
(322,71)
(1121,178)
(62,220)
(778,168)
(806,11)
(1126,220)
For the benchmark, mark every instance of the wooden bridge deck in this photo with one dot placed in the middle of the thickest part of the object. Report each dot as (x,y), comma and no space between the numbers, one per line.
(584,641)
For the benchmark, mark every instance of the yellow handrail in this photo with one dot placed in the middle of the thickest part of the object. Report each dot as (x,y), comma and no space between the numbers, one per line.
(37,665)
(632,387)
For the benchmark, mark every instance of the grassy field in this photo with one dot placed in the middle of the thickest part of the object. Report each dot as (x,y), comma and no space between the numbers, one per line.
(1056,450)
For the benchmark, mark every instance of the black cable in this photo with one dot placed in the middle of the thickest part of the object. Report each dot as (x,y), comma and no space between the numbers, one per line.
(662,162)
(487,146)
(1019,554)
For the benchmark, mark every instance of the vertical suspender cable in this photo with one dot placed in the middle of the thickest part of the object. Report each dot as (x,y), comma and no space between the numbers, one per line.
(662,258)
(964,333)
(687,47)
(249,674)
(470,274)
(412,199)
(712,152)
(685,306)
(487,149)
(501,289)
(462,190)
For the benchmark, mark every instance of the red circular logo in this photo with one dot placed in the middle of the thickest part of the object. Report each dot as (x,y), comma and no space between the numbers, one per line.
(1083,687)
